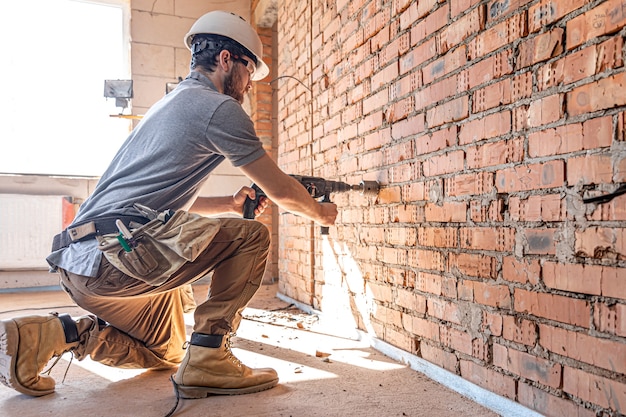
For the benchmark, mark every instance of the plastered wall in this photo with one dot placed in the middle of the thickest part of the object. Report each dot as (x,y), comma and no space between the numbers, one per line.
(487,122)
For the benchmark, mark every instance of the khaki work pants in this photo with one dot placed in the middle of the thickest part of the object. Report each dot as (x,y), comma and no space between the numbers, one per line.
(144,324)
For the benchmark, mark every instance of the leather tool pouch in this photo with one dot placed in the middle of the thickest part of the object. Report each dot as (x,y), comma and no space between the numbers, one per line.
(160,247)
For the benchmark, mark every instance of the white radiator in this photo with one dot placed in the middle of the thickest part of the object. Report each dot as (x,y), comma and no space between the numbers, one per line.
(27,225)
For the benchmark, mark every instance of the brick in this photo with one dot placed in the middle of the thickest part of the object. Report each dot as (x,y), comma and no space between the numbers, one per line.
(613,210)
(426,259)
(487,238)
(439,90)
(545,110)
(540,48)
(430,283)
(470,184)
(492,295)
(539,241)
(451,111)
(415,57)
(474,265)
(425,329)
(448,212)
(609,54)
(492,96)
(400,236)
(531,177)
(398,338)
(554,307)
(522,86)
(492,323)
(600,242)
(490,68)
(603,353)
(382,77)
(495,153)
(380,292)
(560,140)
(605,392)
(456,340)
(592,134)
(492,380)
(497,9)
(436,141)
(466,26)
(527,366)
(608,17)
(433,22)
(610,318)
(400,109)
(521,270)
(408,127)
(487,127)
(487,211)
(458,7)
(589,169)
(444,164)
(410,300)
(439,357)
(549,11)
(599,95)
(519,330)
(577,278)
(549,207)
(444,310)
(498,36)
(548,404)
(613,282)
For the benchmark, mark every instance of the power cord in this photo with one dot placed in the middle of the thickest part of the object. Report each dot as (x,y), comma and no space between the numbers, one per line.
(605,198)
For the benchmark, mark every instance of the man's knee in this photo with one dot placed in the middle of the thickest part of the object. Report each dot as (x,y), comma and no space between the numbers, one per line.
(260,231)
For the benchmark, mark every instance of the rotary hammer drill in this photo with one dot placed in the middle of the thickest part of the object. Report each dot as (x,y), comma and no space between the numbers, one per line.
(317,188)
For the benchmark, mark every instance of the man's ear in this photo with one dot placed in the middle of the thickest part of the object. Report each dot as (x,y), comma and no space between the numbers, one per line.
(225,60)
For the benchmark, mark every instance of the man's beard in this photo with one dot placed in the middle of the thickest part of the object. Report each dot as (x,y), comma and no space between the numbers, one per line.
(232,80)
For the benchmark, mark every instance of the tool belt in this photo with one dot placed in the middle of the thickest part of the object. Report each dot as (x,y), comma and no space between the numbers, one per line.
(155,251)
(91,228)
(150,248)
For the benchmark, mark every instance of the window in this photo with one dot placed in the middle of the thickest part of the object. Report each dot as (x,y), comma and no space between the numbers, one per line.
(56,56)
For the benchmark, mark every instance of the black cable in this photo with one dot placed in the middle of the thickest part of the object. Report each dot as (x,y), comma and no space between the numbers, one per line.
(290,76)
(173,410)
(37,308)
(605,198)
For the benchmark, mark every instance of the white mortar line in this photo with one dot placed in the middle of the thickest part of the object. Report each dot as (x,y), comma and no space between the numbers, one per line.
(494,402)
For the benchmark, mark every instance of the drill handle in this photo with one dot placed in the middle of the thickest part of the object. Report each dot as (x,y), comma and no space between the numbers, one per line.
(250,205)
(326,199)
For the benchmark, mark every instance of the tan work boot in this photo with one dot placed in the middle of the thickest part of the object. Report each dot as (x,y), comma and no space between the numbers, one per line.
(209,367)
(27,344)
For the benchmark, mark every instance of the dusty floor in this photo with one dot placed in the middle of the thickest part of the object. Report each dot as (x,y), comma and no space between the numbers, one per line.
(320,375)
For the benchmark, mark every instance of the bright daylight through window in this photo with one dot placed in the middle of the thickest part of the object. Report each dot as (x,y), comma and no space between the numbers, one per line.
(56,56)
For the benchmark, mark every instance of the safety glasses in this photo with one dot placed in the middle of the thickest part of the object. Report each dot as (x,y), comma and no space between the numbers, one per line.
(249,64)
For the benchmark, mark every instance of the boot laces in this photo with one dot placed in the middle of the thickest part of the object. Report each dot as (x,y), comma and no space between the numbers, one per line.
(57,358)
(228,345)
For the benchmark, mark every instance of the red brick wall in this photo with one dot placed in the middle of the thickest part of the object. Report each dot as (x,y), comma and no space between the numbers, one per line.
(261,114)
(487,122)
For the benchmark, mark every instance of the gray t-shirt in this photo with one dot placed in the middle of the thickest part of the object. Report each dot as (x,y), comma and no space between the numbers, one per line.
(165,161)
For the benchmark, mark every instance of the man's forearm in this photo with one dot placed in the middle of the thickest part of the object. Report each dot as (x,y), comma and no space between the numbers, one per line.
(211,206)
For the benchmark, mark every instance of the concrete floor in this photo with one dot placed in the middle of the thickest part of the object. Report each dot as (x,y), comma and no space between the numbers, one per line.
(320,375)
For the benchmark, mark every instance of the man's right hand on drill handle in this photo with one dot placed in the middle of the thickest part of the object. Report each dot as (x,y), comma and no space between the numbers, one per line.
(287,192)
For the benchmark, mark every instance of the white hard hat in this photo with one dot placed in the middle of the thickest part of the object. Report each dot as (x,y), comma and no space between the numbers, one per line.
(233,27)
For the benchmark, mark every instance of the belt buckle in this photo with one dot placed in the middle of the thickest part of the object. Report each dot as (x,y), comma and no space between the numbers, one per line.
(78,232)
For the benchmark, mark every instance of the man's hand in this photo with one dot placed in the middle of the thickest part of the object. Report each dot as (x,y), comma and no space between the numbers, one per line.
(240,197)
(329,214)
